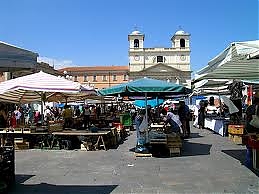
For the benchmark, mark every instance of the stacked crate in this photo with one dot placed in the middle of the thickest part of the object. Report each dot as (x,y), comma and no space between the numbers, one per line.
(235,133)
(20,144)
(174,144)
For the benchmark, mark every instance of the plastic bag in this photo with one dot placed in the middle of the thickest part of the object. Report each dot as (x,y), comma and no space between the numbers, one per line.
(144,125)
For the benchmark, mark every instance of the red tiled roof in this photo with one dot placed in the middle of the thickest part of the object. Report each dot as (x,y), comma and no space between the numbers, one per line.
(95,68)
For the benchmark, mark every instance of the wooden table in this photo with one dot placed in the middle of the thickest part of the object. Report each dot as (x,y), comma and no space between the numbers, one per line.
(5,133)
(99,134)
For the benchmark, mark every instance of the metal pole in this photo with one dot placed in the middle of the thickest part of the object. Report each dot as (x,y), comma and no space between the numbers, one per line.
(144,59)
(147,139)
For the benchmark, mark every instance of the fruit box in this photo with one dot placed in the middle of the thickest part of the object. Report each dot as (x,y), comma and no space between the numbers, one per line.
(236,129)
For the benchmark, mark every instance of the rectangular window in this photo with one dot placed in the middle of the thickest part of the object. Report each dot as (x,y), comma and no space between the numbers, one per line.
(114,78)
(104,78)
(94,78)
(85,78)
(159,59)
(125,77)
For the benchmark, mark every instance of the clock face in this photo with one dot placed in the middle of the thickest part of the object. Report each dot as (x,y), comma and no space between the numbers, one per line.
(183,57)
(136,58)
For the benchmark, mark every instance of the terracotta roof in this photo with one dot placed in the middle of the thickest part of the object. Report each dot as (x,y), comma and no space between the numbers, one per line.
(95,68)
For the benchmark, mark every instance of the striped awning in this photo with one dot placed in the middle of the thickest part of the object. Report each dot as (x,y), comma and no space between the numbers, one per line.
(243,69)
(40,86)
(239,61)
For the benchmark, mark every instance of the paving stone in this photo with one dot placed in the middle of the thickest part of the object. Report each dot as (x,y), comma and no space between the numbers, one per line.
(210,164)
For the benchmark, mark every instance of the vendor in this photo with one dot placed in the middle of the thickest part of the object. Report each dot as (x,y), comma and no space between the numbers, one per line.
(250,111)
(211,108)
(67,116)
(173,119)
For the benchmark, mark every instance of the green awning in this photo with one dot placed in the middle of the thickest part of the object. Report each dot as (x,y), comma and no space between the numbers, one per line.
(141,86)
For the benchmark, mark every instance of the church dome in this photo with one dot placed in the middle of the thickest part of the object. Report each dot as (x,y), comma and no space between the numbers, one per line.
(180,32)
(136,32)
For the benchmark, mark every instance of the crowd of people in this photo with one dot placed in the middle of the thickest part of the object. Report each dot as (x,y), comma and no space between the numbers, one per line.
(174,118)
(208,109)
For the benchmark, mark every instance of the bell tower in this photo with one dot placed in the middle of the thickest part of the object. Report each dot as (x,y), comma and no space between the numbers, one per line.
(136,51)
(181,40)
(136,40)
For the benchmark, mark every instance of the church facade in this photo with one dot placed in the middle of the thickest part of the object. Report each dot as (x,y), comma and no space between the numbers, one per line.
(170,64)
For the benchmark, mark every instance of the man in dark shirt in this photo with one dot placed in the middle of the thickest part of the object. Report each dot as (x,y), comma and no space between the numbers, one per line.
(250,111)
(184,114)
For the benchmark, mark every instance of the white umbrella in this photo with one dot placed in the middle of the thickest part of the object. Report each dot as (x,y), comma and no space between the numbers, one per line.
(231,106)
(38,87)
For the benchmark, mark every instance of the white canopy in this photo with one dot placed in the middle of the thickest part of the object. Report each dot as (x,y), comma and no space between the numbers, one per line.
(211,86)
(40,86)
(239,61)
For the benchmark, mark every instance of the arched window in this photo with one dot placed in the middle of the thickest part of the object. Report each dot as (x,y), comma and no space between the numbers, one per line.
(182,43)
(136,43)
(159,59)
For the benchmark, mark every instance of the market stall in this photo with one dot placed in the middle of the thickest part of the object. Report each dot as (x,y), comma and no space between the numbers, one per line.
(148,88)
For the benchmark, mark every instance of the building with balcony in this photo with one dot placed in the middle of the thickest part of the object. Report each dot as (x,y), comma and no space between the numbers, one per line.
(171,64)
(98,77)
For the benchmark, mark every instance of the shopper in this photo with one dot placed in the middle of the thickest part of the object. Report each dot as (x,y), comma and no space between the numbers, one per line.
(67,115)
(18,115)
(250,111)
(86,116)
(184,115)
(3,117)
(201,114)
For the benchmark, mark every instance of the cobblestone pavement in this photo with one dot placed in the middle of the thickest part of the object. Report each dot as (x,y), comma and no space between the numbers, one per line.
(209,164)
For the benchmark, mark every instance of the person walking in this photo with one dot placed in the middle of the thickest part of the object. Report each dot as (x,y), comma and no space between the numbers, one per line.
(184,115)
(201,114)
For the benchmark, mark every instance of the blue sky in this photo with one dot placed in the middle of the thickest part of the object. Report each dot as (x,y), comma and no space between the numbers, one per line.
(94,32)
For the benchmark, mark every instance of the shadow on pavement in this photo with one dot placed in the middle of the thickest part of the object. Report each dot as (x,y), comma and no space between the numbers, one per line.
(44,188)
(194,149)
(196,135)
(241,156)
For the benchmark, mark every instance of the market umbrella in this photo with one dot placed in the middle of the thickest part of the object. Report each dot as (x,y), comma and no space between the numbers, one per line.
(39,87)
(145,87)
(231,106)
(148,86)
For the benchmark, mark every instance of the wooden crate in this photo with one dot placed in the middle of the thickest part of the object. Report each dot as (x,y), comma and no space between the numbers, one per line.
(175,151)
(26,130)
(142,155)
(18,140)
(55,127)
(237,139)
(236,129)
(174,141)
(18,130)
(21,146)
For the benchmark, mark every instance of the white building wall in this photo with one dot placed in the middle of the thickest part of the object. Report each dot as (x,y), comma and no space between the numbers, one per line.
(175,57)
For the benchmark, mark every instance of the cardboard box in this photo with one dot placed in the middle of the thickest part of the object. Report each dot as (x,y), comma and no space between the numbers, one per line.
(236,129)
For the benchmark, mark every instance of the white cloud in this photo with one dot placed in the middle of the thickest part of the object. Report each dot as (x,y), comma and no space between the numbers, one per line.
(57,63)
